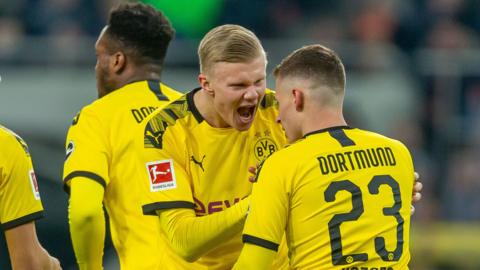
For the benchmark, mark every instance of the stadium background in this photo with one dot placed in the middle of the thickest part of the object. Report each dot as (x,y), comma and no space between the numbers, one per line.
(413,73)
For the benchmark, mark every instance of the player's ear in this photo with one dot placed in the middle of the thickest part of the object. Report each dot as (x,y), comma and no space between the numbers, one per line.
(205,84)
(118,62)
(298,99)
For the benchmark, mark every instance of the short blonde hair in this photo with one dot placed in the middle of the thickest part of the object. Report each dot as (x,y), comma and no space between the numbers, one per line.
(228,43)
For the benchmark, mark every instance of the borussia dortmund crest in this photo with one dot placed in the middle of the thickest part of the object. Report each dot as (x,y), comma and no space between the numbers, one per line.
(264,147)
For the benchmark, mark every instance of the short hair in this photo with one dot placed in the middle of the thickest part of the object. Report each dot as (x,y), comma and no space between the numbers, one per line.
(142,30)
(228,43)
(317,63)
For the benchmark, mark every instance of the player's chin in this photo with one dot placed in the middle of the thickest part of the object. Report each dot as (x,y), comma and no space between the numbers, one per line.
(243,126)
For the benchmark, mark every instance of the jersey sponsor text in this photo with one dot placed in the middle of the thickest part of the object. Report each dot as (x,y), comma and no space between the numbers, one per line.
(214,206)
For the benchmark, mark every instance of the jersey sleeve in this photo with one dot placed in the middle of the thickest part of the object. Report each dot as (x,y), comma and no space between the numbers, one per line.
(19,194)
(87,152)
(269,204)
(165,183)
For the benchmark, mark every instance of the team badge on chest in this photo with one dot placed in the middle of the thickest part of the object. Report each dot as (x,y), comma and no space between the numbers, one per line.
(264,147)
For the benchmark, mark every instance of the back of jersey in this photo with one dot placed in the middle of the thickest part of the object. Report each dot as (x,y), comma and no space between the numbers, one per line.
(347,194)
(100,148)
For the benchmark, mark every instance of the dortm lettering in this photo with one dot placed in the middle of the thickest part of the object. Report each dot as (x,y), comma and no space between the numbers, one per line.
(141,113)
(356,160)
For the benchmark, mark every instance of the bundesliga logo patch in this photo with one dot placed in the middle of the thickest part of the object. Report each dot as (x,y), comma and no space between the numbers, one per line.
(161,174)
(33,182)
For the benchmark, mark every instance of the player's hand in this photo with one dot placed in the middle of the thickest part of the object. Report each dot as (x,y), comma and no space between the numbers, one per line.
(416,193)
(54,264)
(253,171)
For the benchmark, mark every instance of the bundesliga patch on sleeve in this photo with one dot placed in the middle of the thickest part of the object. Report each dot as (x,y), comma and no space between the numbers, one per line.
(161,175)
(34,184)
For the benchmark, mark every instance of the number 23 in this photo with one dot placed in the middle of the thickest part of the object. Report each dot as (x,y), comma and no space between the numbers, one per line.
(357,209)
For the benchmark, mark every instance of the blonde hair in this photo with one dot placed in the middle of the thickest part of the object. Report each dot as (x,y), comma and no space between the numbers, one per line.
(228,43)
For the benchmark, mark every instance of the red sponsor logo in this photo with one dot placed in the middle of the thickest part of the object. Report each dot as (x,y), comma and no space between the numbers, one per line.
(161,175)
(202,209)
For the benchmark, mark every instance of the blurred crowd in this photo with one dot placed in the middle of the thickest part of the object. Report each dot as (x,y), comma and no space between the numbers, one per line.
(424,52)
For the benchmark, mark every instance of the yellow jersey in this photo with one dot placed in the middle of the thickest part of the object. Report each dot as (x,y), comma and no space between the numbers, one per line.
(19,194)
(191,164)
(342,197)
(99,147)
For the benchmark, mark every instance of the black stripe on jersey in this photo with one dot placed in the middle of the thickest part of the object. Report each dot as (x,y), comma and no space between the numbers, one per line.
(23,144)
(268,101)
(259,242)
(171,114)
(151,208)
(341,137)
(191,105)
(179,101)
(157,126)
(76,118)
(259,169)
(93,176)
(22,220)
(339,128)
(155,88)
(19,139)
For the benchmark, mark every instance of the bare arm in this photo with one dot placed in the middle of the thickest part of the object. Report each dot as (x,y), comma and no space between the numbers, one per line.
(25,251)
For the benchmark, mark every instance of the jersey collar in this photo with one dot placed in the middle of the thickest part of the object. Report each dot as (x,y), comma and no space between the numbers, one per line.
(326,129)
(191,105)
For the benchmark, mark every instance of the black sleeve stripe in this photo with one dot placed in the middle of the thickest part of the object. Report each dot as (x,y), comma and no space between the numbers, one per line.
(156,89)
(341,137)
(23,220)
(151,208)
(259,242)
(93,176)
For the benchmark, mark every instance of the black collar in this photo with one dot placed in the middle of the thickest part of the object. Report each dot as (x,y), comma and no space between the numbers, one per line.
(191,105)
(326,129)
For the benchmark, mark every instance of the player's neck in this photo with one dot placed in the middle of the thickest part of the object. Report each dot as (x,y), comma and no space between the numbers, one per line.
(204,103)
(140,73)
(322,120)
(144,75)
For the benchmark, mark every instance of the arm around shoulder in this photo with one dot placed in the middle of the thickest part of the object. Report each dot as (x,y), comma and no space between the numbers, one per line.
(192,236)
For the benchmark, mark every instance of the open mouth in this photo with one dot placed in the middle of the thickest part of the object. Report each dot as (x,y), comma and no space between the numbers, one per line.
(246,113)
